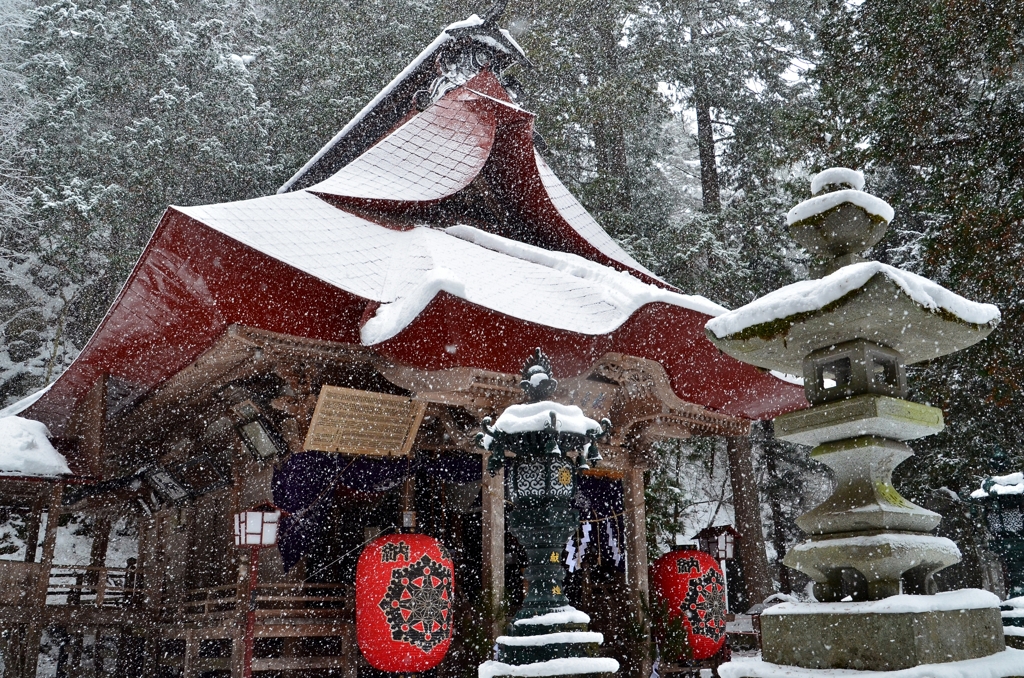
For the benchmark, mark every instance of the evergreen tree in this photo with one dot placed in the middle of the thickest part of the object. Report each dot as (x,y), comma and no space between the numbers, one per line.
(135,107)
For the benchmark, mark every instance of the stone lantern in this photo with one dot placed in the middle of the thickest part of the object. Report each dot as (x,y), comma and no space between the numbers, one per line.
(551,443)
(850,332)
(1003,500)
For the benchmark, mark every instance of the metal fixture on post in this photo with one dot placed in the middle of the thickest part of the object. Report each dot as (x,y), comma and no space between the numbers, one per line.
(551,443)
(254,529)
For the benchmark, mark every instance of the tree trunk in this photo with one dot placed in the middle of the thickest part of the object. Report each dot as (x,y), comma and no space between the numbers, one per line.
(747,508)
(771,452)
(710,191)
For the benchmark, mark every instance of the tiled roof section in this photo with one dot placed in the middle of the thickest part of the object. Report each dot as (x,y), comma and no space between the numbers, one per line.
(404,270)
(432,156)
(577,216)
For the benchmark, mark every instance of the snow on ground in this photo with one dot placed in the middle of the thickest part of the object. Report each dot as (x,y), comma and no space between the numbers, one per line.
(812,295)
(999,665)
(553,667)
(964,599)
(823,203)
(25,450)
(537,417)
(1008,484)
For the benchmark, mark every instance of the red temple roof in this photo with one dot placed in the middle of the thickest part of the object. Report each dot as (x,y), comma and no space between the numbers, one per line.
(447,243)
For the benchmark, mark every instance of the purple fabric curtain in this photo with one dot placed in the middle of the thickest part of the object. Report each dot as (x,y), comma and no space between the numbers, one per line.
(304,487)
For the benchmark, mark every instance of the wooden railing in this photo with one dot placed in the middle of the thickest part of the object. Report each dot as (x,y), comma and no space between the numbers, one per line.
(272,600)
(94,586)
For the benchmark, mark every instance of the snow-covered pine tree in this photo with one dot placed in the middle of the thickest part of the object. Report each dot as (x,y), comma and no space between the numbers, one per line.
(136,106)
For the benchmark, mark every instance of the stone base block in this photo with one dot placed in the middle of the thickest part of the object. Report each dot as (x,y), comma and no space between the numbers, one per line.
(869,414)
(880,641)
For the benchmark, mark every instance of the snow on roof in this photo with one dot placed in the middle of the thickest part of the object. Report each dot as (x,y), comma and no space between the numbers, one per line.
(997,485)
(433,155)
(25,450)
(404,270)
(823,203)
(577,216)
(561,615)
(837,175)
(24,403)
(427,52)
(537,417)
(812,295)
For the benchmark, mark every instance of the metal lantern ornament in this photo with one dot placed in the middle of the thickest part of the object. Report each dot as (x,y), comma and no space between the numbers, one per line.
(691,586)
(551,443)
(404,589)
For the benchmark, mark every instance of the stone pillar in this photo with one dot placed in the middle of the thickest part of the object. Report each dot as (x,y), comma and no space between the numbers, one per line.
(747,508)
(492,518)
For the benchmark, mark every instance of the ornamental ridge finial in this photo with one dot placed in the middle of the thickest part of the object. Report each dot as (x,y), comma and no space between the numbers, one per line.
(537,382)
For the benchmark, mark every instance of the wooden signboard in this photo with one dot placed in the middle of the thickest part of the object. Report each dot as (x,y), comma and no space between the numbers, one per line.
(349,421)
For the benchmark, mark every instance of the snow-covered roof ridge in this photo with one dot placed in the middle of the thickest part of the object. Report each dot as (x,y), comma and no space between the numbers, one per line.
(405,270)
(25,450)
(808,296)
(819,204)
(581,267)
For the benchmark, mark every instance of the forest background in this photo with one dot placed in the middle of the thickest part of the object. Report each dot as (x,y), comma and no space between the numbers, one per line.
(687,128)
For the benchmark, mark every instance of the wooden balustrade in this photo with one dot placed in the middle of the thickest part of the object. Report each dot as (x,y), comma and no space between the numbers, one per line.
(93,586)
(272,600)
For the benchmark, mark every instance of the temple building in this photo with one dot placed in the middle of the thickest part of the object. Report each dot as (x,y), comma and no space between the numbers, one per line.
(332,350)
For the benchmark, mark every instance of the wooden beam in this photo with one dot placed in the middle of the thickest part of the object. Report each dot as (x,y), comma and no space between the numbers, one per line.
(492,516)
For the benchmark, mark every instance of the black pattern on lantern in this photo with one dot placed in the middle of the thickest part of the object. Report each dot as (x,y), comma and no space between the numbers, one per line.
(551,443)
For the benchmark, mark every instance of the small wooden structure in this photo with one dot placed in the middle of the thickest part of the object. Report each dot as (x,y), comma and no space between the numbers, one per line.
(381,304)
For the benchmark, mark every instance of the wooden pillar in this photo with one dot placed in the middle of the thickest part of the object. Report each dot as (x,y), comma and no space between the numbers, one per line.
(37,600)
(747,509)
(492,517)
(635,524)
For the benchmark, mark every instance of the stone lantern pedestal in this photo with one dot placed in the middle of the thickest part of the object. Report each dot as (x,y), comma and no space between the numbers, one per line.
(850,332)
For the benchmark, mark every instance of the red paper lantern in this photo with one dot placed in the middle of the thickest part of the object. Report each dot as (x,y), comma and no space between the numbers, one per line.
(404,589)
(690,584)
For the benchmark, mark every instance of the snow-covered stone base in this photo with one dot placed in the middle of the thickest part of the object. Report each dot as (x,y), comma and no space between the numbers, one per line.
(553,667)
(999,665)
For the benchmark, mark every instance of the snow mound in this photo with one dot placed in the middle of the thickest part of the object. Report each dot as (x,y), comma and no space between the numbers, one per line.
(999,665)
(537,417)
(964,599)
(837,175)
(552,667)
(812,295)
(563,615)
(25,450)
(823,203)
